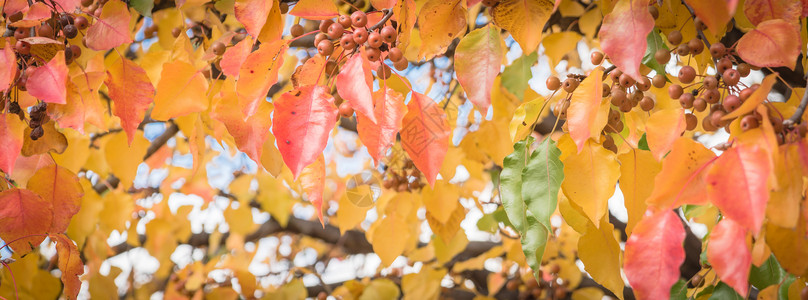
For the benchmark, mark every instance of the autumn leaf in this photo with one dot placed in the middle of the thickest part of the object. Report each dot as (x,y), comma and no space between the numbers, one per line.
(590,176)
(440,22)
(524,20)
(758,11)
(234,57)
(131,91)
(757,97)
(8,66)
(588,112)
(70,265)
(309,73)
(111,29)
(441,200)
(253,14)
(314,9)
(600,252)
(11,133)
(51,141)
(623,35)
(82,103)
(303,120)
(37,12)
(681,179)
(47,82)
(638,168)
(257,74)
(312,181)
(737,183)
(478,58)
(663,128)
(425,135)
(729,255)
(182,90)
(714,14)
(25,219)
(355,85)
(380,136)
(774,43)
(60,187)
(653,255)
(249,133)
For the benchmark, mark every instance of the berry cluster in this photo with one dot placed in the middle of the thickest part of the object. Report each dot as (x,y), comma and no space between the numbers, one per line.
(531,288)
(404,180)
(39,116)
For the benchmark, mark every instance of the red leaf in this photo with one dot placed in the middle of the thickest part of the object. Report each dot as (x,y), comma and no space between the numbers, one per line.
(249,133)
(737,185)
(729,255)
(111,29)
(355,84)
(773,43)
(234,56)
(131,91)
(478,58)
(60,187)
(24,219)
(715,14)
(8,66)
(258,73)
(312,180)
(758,11)
(11,133)
(303,120)
(253,14)
(380,136)
(315,9)
(653,254)
(623,35)
(425,135)
(70,264)
(47,82)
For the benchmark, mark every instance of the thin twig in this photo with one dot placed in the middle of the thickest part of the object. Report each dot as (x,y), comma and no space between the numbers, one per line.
(387,14)
(797,116)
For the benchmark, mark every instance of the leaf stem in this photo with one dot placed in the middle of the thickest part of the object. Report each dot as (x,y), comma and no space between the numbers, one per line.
(13,281)
(387,14)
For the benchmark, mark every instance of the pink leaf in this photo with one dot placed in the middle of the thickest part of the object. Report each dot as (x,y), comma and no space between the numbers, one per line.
(425,135)
(47,82)
(737,185)
(623,35)
(773,43)
(253,14)
(729,255)
(380,136)
(302,122)
(234,56)
(354,84)
(11,133)
(8,66)
(478,58)
(653,254)
(111,29)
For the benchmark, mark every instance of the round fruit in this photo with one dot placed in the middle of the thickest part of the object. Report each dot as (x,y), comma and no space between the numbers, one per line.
(711,96)
(65,20)
(749,122)
(596,57)
(659,81)
(647,104)
(731,103)
(70,31)
(389,34)
(696,46)
(553,83)
(512,285)
(324,24)
(662,56)
(383,71)
(690,121)
(345,110)
(283,7)
(707,124)
(675,37)
(394,54)
(619,96)
(81,22)
(325,48)
(375,39)
(22,47)
(644,84)
(296,30)
(331,67)
(654,12)
(718,50)
(626,80)
(569,85)
(218,48)
(699,104)
(347,42)
(682,50)
(731,77)
(710,82)
(45,31)
(359,19)
(344,20)
(401,65)
(322,296)
(745,93)
(335,31)
(21,33)
(360,36)
(373,54)
(68,56)
(76,51)
(687,74)
(699,24)
(715,118)
(744,69)
(675,91)
(686,100)
(319,37)
(723,65)
(176,32)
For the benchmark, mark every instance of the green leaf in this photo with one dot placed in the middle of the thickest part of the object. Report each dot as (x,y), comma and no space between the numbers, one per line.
(769,273)
(510,185)
(488,223)
(783,292)
(724,292)
(541,180)
(706,291)
(655,43)
(534,239)
(144,7)
(501,216)
(679,290)
(643,143)
(515,76)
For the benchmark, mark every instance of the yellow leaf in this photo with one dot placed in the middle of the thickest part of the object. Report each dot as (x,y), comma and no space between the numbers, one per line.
(353,207)
(239,219)
(524,117)
(122,159)
(445,252)
(381,288)
(181,91)
(524,19)
(662,129)
(790,246)
(440,22)
(447,230)
(638,169)
(600,252)
(590,177)
(76,154)
(389,238)
(680,180)
(160,244)
(442,200)
(424,284)
(86,220)
(558,44)
(588,293)
(784,201)
(273,28)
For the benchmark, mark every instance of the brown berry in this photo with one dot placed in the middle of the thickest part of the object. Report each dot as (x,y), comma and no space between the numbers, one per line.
(21,33)
(319,37)
(707,124)
(686,100)
(344,20)
(45,31)
(682,50)
(176,32)
(749,122)
(699,24)
(731,77)
(647,104)
(324,24)
(662,56)
(394,54)
(322,296)
(512,285)
(335,31)
(70,31)
(23,48)
(654,12)
(359,19)
(375,39)
(699,104)
(690,121)
(744,69)
(389,34)
(218,48)
(723,64)
(401,65)
(596,57)
(711,96)
(372,54)
(296,30)
(718,50)
(81,22)
(569,85)
(675,91)
(360,36)
(715,118)
(659,81)
(675,37)
(696,46)
(76,51)
(347,42)
(553,83)
(687,74)
(283,7)
(710,82)
(383,71)
(626,80)
(644,84)
(619,96)
(731,103)
(325,47)
(345,110)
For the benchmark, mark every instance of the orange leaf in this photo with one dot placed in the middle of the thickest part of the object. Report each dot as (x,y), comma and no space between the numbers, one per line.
(70,265)
(738,185)
(758,11)
(773,43)
(663,128)
(380,136)
(60,187)
(67,5)
(623,35)
(47,82)
(234,57)
(82,103)
(715,14)
(310,72)
(653,254)
(249,133)
(182,90)
(131,91)
(588,111)
(729,255)
(757,97)
(11,131)
(425,135)
(355,84)
(382,4)
(111,29)
(253,14)
(301,124)
(524,19)
(12,6)
(51,141)
(8,66)
(35,14)
(25,218)
(440,22)
(315,9)
(312,180)
(257,74)
(680,181)
(478,58)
